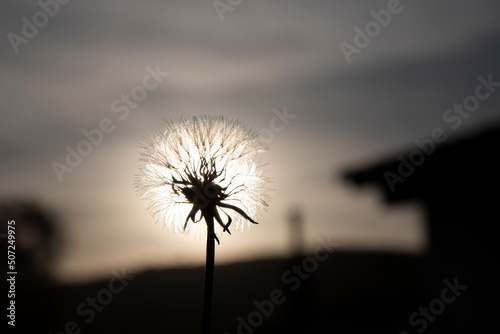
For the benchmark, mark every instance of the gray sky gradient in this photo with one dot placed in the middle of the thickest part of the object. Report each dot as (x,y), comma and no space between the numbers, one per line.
(264,55)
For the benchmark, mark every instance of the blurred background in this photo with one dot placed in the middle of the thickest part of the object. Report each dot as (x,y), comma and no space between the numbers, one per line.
(82,64)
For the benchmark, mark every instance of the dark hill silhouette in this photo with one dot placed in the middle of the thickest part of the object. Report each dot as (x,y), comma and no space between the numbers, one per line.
(349,293)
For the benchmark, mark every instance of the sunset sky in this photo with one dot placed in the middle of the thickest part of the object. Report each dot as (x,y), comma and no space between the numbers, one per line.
(263,55)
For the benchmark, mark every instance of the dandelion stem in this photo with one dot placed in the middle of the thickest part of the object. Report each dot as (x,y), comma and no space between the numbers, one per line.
(208,214)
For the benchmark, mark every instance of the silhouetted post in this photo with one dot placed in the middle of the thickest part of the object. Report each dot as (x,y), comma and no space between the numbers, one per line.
(297,232)
(298,300)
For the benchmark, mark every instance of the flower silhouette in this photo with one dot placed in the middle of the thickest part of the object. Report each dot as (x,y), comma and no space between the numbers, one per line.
(199,166)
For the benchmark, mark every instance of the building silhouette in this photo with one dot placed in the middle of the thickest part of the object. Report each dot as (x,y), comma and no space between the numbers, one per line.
(457,186)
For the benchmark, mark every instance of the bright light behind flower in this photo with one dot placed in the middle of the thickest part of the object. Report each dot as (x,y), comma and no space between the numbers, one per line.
(200,161)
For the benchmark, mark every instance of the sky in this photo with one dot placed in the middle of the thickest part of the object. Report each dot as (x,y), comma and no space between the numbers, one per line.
(246,61)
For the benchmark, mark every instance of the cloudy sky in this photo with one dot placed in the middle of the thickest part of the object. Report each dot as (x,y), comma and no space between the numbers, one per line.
(67,74)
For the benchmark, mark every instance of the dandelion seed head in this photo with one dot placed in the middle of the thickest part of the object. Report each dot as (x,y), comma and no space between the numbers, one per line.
(200,161)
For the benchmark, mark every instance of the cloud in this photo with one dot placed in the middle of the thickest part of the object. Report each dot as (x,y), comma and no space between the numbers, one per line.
(266,54)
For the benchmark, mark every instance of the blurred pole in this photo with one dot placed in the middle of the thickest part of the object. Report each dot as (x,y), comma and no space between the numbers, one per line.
(297,232)
(298,313)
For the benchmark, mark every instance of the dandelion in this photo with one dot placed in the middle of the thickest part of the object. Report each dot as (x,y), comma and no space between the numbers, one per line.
(203,167)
